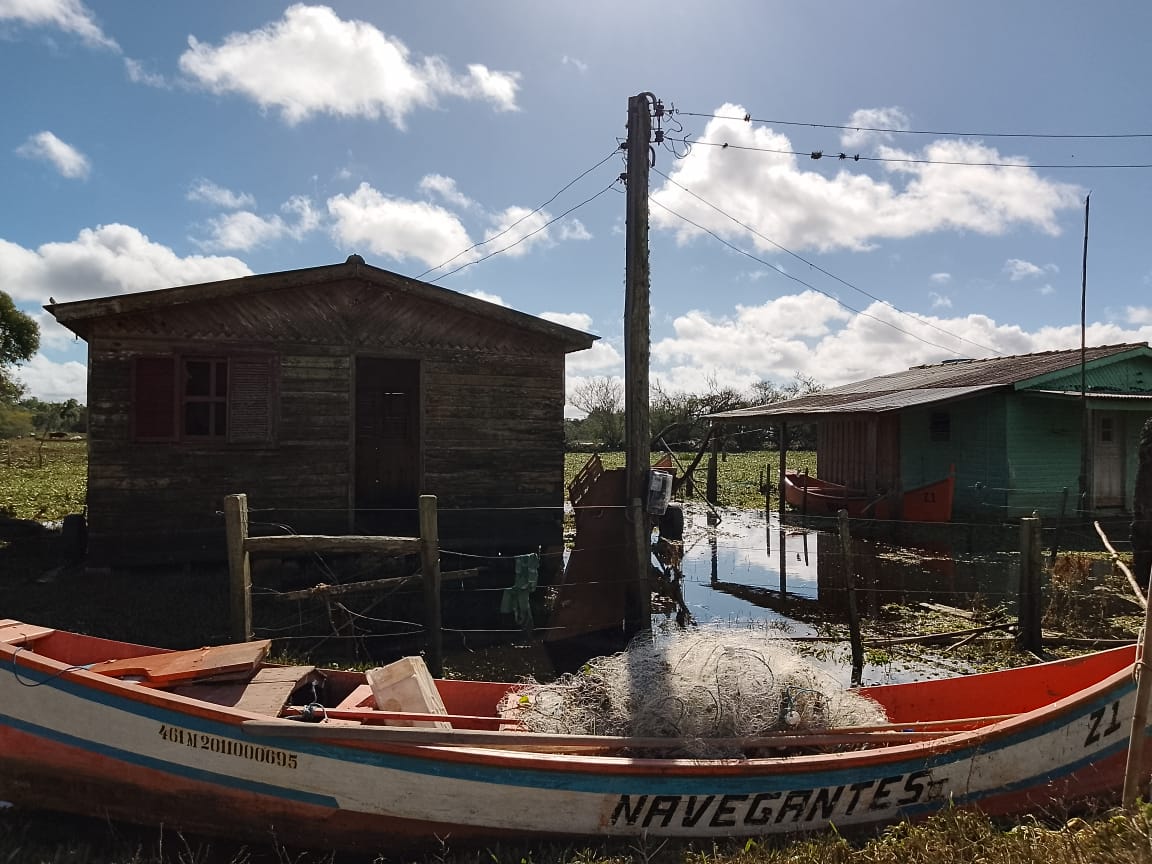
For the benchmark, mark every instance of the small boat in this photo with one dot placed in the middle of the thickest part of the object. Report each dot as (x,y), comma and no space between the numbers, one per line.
(931,502)
(217,742)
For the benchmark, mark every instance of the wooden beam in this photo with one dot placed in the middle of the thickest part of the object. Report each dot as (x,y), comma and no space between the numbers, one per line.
(372,584)
(303,544)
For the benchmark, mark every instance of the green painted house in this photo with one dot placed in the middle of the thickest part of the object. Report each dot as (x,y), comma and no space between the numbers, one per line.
(1048,432)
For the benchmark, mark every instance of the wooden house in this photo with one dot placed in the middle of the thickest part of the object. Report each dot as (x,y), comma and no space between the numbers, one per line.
(1035,432)
(332,396)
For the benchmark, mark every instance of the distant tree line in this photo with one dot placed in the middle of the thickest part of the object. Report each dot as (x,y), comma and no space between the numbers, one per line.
(678,419)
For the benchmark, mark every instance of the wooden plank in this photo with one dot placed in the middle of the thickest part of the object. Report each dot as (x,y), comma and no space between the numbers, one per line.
(160,669)
(295,544)
(359,698)
(14,632)
(270,688)
(544,742)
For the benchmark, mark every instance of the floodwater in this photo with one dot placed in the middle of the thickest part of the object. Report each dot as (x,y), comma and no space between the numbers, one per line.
(743,571)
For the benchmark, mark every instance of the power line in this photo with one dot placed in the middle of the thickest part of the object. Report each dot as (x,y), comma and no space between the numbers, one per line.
(529,234)
(800,281)
(565,188)
(817,267)
(748,118)
(845,157)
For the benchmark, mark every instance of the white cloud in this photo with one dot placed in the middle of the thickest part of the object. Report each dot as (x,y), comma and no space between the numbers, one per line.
(211,193)
(398,228)
(575,320)
(516,230)
(601,357)
(941,278)
(580,65)
(243,230)
(45,146)
(313,62)
(827,208)
(445,188)
(1018,269)
(108,259)
(872,118)
(836,347)
(486,297)
(940,301)
(52,381)
(1045,290)
(137,74)
(573,229)
(1139,315)
(71,16)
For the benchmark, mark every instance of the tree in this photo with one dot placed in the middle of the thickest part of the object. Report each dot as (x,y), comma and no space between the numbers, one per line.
(19,340)
(602,399)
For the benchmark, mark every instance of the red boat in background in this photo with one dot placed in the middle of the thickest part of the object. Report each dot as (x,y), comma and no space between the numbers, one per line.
(929,503)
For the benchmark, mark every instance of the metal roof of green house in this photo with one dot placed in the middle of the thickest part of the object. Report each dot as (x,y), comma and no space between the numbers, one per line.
(941,382)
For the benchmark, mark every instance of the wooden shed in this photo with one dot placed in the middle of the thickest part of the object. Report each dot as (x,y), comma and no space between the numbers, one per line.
(1013,427)
(333,396)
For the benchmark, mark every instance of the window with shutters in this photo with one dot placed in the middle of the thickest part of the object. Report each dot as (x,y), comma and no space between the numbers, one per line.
(224,400)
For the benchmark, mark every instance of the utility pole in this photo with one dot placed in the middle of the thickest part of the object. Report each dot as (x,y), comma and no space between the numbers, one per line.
(638,432)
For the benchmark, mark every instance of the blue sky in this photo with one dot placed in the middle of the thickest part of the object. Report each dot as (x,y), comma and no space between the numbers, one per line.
(146,145)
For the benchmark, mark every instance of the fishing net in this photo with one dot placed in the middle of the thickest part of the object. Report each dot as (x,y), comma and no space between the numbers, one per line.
(693,687)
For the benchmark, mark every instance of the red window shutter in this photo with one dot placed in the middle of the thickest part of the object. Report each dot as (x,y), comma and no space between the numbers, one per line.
(251,399)
(154,398)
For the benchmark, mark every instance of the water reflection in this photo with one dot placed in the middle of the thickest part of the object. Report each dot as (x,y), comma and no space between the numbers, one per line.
(744,570)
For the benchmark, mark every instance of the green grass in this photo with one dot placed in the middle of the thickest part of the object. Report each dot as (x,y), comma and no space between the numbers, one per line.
(951,837)
(44,482)
(738,475)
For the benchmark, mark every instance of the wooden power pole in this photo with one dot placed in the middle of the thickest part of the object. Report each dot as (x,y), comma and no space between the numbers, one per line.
(638,603)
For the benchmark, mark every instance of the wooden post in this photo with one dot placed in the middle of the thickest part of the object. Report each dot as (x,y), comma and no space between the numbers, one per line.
(1141,559)
(854,634)
(710,492)
(239,570)
(783,450)
(430,565)
(1029,636)
(1140,531)
(1056,535)
(638,439)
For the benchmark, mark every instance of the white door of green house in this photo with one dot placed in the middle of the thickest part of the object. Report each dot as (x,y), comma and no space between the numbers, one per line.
(1108,460)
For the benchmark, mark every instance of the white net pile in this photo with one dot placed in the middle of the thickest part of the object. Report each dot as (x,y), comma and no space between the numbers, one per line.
(695,687)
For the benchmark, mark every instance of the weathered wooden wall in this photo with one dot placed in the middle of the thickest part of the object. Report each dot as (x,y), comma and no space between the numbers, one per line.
(492,423)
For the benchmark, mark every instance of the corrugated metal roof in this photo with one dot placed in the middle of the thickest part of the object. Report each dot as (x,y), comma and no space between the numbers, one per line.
(922,385)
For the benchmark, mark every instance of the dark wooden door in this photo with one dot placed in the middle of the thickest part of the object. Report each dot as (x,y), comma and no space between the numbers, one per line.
(388,463)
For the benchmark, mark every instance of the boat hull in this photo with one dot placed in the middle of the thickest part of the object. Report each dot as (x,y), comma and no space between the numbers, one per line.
(929,503)
(80,743)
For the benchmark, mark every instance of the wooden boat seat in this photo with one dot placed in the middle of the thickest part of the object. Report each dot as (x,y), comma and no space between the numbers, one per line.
(238,661)
(13,632)
(268,692)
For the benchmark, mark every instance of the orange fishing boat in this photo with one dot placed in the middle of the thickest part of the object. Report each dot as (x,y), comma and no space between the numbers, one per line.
(220,742)
(931,502)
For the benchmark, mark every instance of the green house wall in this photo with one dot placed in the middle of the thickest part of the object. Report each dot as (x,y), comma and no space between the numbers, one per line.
(1017,452)
(975,447)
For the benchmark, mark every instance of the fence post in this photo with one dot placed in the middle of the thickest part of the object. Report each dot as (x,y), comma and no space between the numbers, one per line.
(430,566)
(854,634)
(1134,772)
(1029,635)
(239,570)
(710,490)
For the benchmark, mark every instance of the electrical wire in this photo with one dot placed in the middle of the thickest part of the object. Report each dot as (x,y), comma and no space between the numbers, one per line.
(844,157)
(817,267)
(748,118)
(565,188)
(529,234)
(800,281)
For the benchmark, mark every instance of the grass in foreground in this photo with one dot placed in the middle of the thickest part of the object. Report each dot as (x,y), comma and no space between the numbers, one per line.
(952,837)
